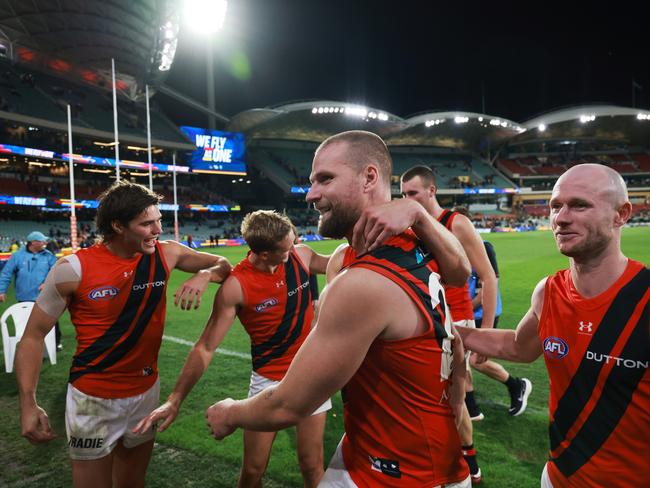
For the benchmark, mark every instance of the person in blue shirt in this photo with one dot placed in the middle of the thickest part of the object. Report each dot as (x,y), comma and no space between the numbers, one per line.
(30,265)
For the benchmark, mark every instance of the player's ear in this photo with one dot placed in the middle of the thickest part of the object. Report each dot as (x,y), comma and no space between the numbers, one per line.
(117,226)
(371,177)
(623,214)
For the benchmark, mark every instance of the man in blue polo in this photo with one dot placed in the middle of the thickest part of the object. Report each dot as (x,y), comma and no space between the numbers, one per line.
(30,264)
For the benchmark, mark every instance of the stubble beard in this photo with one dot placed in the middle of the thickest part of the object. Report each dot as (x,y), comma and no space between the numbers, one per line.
(339,222)
(594,244)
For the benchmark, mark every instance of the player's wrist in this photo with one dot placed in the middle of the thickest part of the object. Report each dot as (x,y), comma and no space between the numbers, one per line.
(27,401)
(418,215)
(175,401)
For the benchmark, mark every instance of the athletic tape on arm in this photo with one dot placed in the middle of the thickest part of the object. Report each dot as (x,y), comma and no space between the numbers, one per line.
(67,270)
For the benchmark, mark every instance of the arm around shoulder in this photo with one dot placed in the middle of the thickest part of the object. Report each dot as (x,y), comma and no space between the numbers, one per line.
(186,259)
(445,248)
(316,263)
(521,345)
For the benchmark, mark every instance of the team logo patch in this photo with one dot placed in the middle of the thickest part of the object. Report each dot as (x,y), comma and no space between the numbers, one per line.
(103,293)
(385,466)
(555,348)
(269,302)
(585,328)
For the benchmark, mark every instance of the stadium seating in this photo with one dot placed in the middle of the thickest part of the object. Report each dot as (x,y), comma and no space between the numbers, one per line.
(43,96)
(643,162)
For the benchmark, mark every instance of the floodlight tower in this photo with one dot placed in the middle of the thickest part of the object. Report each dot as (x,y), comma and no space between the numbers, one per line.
(207,17)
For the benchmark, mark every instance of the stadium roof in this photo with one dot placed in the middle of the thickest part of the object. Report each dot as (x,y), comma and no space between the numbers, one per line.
(313,121)
(607,123)
(316,120)
(457,130)
(141,35)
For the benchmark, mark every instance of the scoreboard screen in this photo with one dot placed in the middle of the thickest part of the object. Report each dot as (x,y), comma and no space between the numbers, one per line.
(217,151)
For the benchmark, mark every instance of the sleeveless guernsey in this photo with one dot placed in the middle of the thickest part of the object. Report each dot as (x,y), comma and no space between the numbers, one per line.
(118,313)
(276,314)
(399,427)
(597,352)
(458,298)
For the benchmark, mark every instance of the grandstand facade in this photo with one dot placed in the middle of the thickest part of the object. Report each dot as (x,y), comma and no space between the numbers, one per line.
(501,169)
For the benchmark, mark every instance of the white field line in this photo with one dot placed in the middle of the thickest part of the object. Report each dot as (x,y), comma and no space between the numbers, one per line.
(225,352)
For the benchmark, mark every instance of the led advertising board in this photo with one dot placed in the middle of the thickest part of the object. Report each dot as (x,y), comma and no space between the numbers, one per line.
(217,152)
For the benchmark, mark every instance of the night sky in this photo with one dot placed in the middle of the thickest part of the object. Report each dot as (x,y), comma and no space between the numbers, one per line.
(406,57)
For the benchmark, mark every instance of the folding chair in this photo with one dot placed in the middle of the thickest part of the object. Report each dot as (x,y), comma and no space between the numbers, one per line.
(19,312)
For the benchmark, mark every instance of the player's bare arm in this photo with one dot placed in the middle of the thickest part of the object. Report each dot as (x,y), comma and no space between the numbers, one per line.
(327,360)
(58,287)
(316,263)
(464,230)
(226,302)
(520,345)
(380,222)
(205,266)
(459,373)
(335,262)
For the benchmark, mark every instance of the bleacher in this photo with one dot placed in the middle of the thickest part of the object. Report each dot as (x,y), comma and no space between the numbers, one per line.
(553,165)
(451,170)
(43,96)
(290,163)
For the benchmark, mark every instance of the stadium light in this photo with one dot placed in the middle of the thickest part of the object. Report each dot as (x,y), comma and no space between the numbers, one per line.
(541,127)
(206,16)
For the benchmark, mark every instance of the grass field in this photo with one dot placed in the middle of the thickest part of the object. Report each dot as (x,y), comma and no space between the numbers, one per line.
(511,451)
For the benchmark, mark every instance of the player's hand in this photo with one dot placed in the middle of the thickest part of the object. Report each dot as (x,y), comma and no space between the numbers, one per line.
(3,297)
(379,223)
(217,416)
(191,291)
(167,412)
(35,425)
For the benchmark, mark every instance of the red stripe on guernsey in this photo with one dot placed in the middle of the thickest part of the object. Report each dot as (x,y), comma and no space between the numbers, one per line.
(118,313)
(458,298)
(276,314)
(596,351)
(400,430)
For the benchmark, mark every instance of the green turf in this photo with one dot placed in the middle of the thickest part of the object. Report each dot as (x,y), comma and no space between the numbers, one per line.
(511,450)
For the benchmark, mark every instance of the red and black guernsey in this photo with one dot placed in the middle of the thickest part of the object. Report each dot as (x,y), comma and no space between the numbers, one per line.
(458,298)
(118,313)
(597,353)
(399,427)
(277,313)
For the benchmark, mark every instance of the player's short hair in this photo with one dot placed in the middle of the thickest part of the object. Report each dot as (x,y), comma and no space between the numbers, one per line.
(122,201)
(463,210)
(264,229)
(424,172)
(364,148)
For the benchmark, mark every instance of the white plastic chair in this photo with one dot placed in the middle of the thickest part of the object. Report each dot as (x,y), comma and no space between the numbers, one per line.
(19,312)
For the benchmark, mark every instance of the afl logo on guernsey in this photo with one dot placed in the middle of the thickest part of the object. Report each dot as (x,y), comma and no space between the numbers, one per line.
(269,302)
(555,348)
(103,293)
